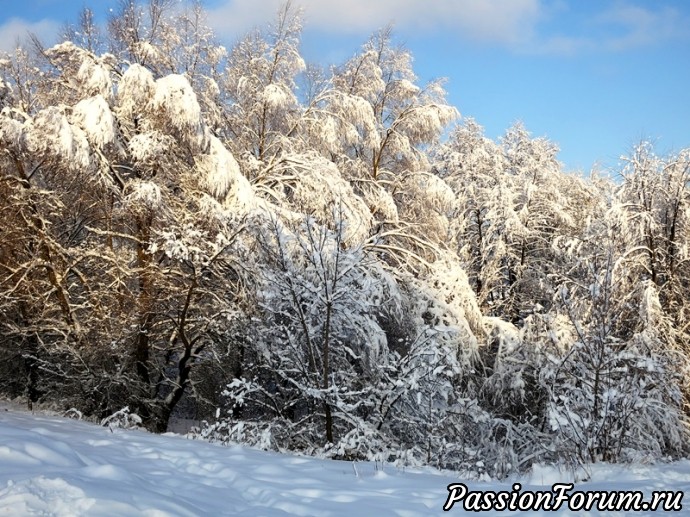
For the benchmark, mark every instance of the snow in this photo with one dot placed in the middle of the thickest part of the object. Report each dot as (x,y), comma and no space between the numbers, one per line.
(61,467)
(146,51)
(11,131)
(52,131)
(223,176)
(145,194)
(361,115)
(277,97)
(149,147)
(175,97)
(93,115)
(135,88)
(92,77)
(95,79)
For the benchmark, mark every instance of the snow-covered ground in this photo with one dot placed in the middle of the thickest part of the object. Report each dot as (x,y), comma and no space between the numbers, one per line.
(60,467)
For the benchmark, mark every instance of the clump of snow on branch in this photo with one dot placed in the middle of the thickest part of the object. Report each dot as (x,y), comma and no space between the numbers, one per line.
(93,115)
(12,131)
(95,79)
(143,194)
(223,176)
(147,148)
(351,118)
(52,133)
(175,99)
(427,199)
(190,243)
(135,89)
(426,121)
(87,73)
(276,97)
(122,419)
(147,52)
(362,75)
(458,304)
(380,202)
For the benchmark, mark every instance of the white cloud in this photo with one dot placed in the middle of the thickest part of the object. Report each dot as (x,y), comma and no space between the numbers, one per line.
(560,45)
(622,27)
(639,26)
(17,30)
(524,26)
(496,21)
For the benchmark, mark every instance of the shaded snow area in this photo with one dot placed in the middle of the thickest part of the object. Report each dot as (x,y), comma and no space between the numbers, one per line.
(59,467)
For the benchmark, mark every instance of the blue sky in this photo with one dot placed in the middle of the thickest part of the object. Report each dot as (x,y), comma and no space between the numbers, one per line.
(595,76)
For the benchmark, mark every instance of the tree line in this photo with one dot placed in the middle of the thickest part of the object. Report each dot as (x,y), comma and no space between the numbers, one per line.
(329,261)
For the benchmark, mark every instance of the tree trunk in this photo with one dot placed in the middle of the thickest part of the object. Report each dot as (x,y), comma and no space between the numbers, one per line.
(326,372)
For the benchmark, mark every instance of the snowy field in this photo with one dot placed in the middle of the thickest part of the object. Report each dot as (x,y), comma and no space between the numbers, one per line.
(58,467)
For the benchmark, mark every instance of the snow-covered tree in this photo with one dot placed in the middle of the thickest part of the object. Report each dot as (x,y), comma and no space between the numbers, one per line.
(320,338)
(614,391)
(655,217)
(187,229)
(259,83)
(484,216)
(125,159)
(390,116)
